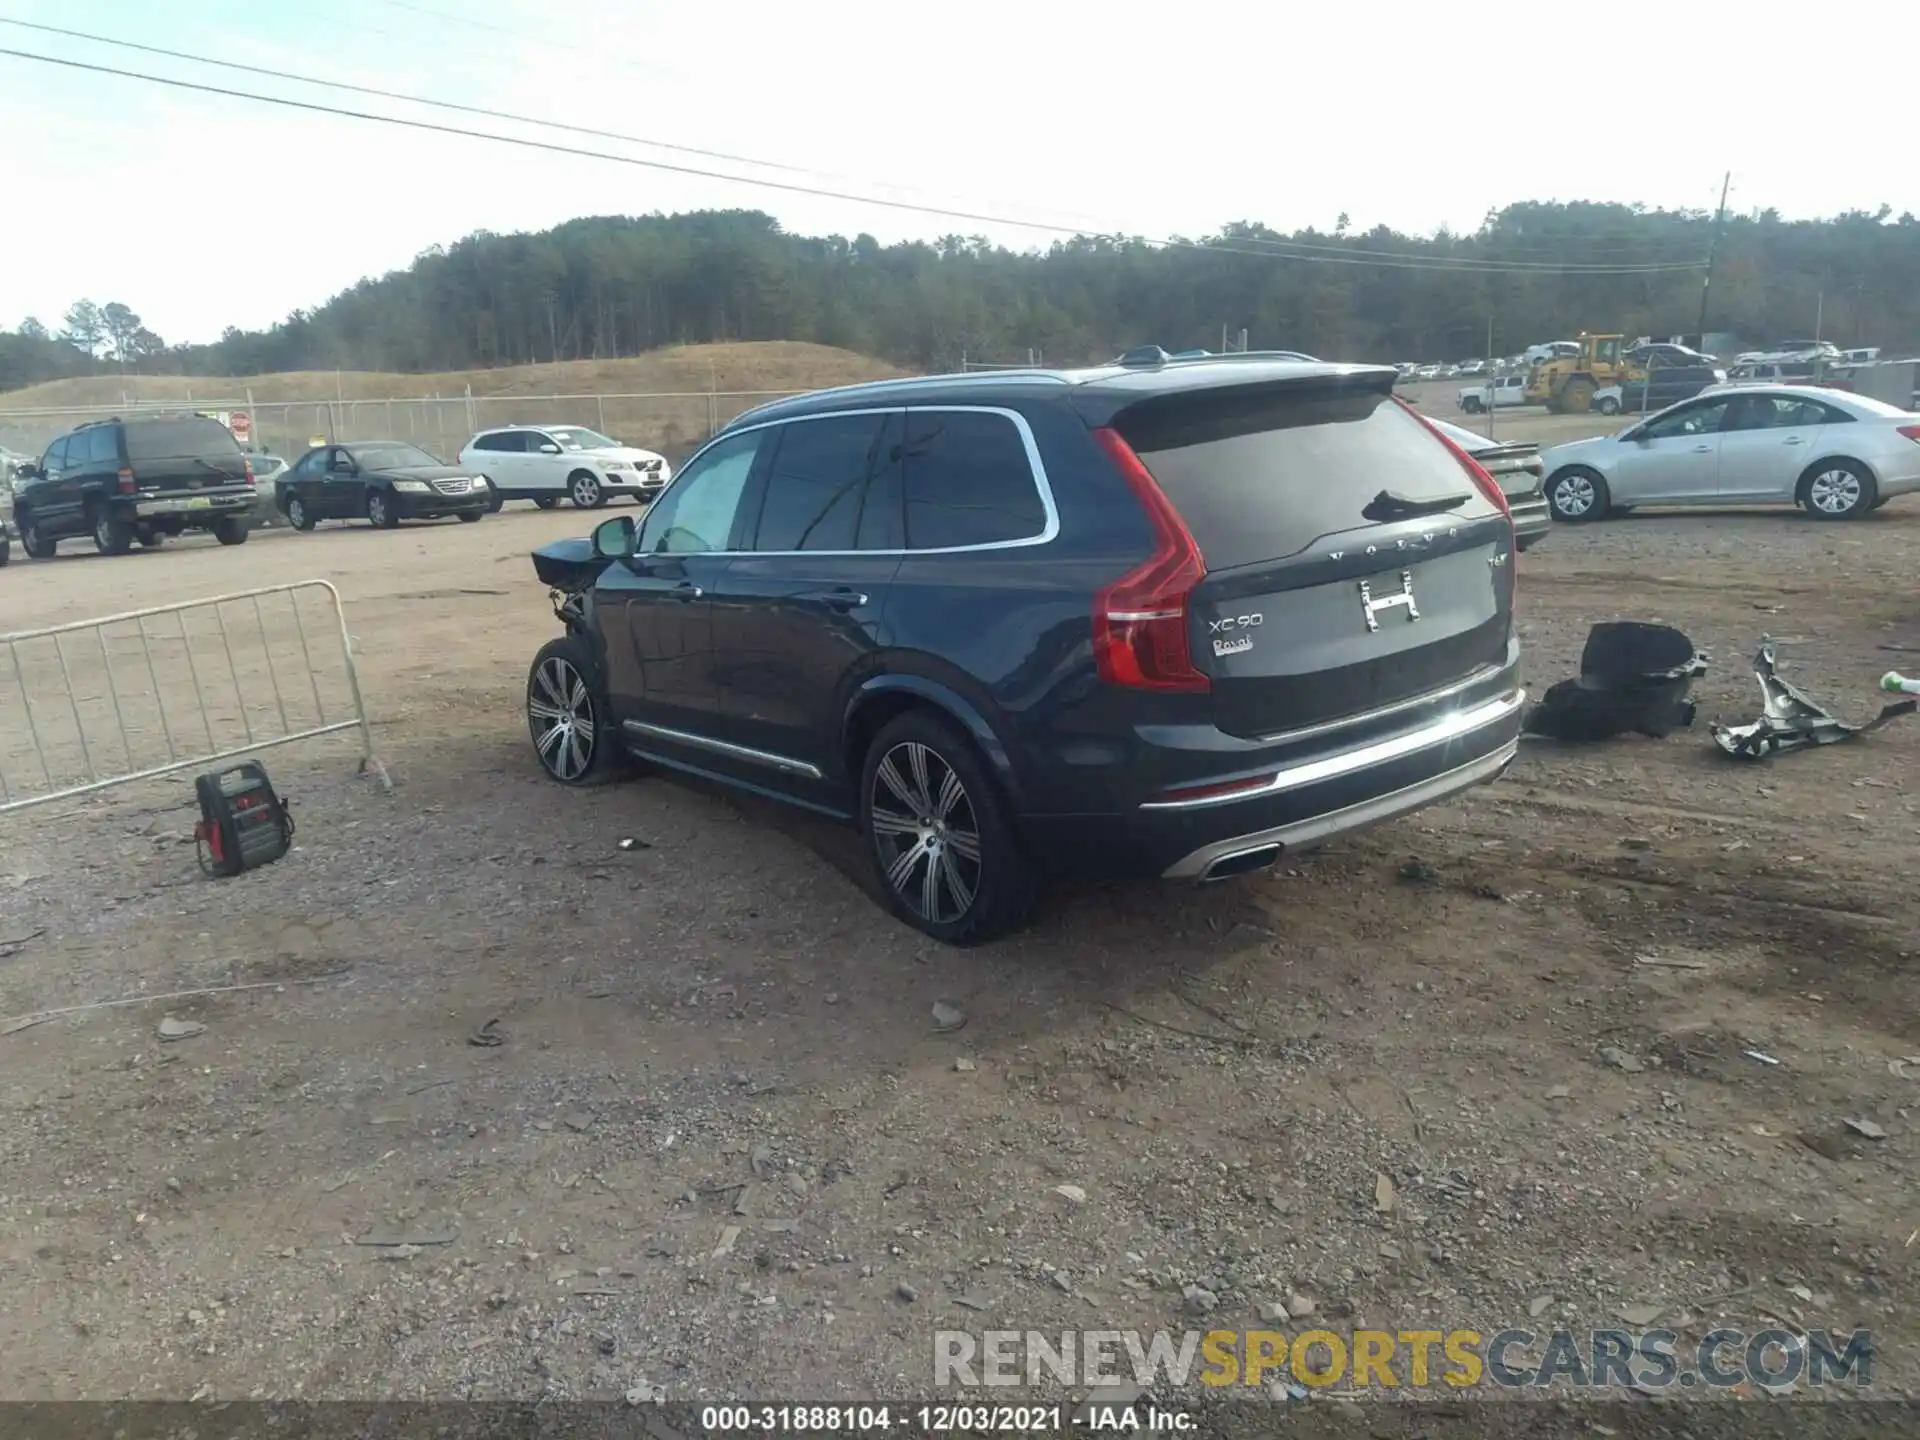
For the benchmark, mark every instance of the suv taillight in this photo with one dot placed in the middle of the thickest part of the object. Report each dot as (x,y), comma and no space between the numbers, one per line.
(1140,621)
(247,465)
(128,485)
(1485,483)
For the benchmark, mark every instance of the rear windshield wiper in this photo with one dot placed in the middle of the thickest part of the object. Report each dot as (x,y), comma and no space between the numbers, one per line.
(224,474)
(1389,506)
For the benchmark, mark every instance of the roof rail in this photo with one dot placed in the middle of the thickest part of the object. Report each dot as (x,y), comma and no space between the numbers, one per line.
(1148,356)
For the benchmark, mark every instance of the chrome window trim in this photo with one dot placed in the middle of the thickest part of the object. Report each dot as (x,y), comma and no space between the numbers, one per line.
(725,747)
(1037,473)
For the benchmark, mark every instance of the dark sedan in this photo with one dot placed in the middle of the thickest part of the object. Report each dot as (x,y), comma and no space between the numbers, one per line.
(1516,467)
(381,481)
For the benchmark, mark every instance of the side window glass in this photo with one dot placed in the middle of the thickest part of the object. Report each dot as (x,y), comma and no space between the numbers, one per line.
(883,519)
(1695,420)
(816,482)
(1829,415)
(968,481)
(56,457)
(697,513)
(105,447)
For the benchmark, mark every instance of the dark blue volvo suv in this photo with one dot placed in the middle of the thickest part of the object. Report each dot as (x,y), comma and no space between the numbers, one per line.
(1169,617)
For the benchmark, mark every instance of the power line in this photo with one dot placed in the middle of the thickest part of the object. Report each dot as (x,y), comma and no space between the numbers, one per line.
(1278,250)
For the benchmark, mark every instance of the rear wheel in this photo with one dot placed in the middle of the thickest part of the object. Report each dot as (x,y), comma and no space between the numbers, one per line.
(467,517)
(942,845)
(494,502)
(232,531)
(546,502)
(568,717)
(1577,494)
(298,515)
(112,535)
(380,510)
(149,537)
(1608,404)
(1838,490)
(34,541)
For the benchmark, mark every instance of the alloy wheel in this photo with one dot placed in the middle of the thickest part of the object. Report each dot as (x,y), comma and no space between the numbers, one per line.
(1834,492)
(565,726)
(924,826)
(297,513)
(1573,496)
(377,510)
(586,492)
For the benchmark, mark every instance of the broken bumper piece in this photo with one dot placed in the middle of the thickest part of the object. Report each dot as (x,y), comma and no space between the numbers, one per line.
(1789,720)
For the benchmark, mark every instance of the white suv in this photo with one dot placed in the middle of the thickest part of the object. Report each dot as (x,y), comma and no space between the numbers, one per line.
(550,463)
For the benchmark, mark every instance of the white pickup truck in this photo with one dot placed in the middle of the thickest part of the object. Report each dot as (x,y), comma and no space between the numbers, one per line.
(1498,393)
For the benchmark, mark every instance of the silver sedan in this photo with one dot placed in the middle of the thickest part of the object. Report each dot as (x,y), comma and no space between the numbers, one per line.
(1834,454)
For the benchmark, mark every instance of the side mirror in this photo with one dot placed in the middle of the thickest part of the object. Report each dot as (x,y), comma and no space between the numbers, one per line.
(613,539)
(26,470)
(549,449)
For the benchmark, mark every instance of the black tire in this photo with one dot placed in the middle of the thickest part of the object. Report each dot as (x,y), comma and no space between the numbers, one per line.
(233,530)
(37,545)
(545,502)
(585,491)
(381,511)
(1838,490)
(149,538)
(1576,495)
(1607,405)
(494,500)
(6,547)
(564,685)
(298,515)
(468,517)
(112,534)
(920,785)
(1471,406)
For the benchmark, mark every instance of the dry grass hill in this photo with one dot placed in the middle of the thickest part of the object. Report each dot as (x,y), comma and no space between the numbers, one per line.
(766,365)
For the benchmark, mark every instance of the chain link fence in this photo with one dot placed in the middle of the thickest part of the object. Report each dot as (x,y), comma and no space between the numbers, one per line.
(672,424)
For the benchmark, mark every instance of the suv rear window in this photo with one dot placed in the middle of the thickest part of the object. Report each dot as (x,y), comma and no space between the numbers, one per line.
(1261,473)
(186,438)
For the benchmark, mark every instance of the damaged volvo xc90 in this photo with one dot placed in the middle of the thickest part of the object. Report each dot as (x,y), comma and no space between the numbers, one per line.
(1170,617)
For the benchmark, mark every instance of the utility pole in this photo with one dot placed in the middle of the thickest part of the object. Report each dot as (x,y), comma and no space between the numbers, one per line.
(1713,249)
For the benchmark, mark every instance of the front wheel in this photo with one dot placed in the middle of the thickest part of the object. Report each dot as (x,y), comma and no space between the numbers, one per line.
(1608,405)
(35,542)
(586,492)
(232,531)
(1577,494)
(1838,490)
(545,502)
(298,515)
(1472,407)
(568,716)
(494,502)
(380,510)
(468,517)
(942,846)
(148,537)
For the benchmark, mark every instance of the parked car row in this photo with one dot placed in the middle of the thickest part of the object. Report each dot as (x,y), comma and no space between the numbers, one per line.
(149,478)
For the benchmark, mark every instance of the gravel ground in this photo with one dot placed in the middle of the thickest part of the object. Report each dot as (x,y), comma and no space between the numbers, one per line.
(723,1147)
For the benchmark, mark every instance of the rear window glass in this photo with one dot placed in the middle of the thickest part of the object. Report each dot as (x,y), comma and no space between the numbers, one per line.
(1260,474)
(968,481)
(178,439)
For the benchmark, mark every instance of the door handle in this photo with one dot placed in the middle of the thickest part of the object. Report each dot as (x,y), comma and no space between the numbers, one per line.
(1701,449)
(687,590)
(1791,440)
(842,598)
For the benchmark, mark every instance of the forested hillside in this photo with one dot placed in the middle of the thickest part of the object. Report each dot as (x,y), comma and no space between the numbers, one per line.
(602,287)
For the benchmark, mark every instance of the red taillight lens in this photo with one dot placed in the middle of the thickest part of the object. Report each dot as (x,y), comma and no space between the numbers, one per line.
(1140,621)
(247,465)
(127,483)
(1487,485)
(1912,432)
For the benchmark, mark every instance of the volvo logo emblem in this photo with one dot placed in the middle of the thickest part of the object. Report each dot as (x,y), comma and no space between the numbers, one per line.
(1371,605)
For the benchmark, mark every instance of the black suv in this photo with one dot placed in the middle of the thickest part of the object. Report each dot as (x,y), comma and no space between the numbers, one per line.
(126,480)
(1168,618)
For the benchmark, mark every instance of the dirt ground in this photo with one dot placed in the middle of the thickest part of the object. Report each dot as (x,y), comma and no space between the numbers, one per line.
(721,1147)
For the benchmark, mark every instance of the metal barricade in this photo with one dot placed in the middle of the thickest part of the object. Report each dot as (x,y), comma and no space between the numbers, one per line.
(107,701)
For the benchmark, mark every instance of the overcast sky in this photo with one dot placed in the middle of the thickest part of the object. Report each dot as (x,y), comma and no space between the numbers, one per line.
(202,211)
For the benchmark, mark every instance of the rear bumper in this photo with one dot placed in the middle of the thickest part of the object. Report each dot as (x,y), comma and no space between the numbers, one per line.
(191,508)
(1310,798)
(1531,518)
